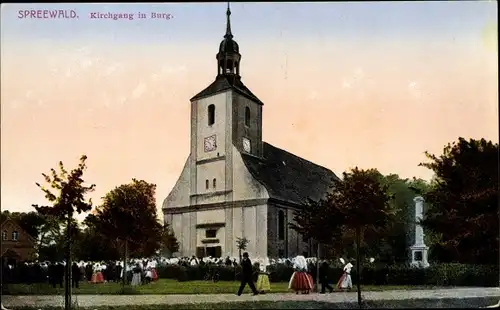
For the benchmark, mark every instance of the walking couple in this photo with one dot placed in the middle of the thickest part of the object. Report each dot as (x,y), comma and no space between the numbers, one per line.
(344,283)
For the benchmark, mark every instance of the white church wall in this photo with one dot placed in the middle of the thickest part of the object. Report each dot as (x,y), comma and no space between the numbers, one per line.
(186,233)
(237,227)
(177,228)
(249,229)
(255,230)
(204,130)
(261,231)
(167,219)
(229,239)
(210,216)
(245,186)
(201,235)
(210,171)
(179,195)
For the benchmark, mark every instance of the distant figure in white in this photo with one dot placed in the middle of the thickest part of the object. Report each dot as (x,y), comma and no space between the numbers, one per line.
(345,281)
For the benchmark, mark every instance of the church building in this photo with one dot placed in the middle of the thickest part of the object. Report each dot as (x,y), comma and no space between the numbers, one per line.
(233,184)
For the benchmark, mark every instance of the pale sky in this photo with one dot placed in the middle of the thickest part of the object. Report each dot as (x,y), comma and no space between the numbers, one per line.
(367,84)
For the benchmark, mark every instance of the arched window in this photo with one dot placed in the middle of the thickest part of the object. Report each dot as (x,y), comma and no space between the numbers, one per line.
(4,235)
(214,183)
(15,235)
(247,116)
(206,184)
(281,225)
(211,115)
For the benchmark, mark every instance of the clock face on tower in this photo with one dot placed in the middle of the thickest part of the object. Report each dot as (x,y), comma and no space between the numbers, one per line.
(246,145)
(210,143)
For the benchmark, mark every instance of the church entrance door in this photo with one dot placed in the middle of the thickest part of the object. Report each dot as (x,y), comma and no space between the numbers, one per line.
(214,251)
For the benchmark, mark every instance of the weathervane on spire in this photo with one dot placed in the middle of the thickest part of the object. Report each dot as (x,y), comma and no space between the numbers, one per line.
(228,35)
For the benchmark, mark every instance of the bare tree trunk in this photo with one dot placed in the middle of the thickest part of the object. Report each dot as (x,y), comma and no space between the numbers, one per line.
(358,263)
(67,288)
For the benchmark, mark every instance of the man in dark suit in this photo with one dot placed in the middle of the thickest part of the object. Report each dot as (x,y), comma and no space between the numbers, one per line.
(75,275)
(60,274)
(247,275)
(52,274)
(323,278)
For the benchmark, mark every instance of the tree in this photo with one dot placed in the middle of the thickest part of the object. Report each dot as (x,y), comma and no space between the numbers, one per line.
(241,244)
(393,244)
(363,203)
(314,221)
(128,216)
(93,244)
(69,197)
(463,202)
(169,242)
(358,207)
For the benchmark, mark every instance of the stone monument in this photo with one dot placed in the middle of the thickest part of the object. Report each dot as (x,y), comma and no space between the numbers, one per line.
(419,250)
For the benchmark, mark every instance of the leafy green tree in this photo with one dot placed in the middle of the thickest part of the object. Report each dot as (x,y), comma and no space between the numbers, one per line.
(127,215)
(463,202)
(169,242)
(66,192)
(315,221)
(393,244)
(357,209)
(93,244)
(363,203)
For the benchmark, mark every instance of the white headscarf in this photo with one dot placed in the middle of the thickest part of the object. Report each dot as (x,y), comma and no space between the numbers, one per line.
(348,267)
(300,262)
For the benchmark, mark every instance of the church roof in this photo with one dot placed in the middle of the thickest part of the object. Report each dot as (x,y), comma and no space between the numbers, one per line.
(288,177)
(225,82)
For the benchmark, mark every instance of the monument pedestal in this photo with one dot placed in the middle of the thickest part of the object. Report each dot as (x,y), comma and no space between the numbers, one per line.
(419,256)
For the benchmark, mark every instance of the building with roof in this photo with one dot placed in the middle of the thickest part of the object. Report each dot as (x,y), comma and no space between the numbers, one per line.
(16,244)
(233,184)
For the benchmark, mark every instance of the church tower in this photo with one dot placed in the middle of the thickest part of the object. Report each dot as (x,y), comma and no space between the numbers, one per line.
(224,116)
(233,184)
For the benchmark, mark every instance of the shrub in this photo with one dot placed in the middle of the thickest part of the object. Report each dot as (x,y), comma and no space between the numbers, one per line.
(438,275)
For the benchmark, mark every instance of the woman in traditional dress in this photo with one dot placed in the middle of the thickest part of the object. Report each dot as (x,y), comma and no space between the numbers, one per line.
(301,281)
(263,285)
(345,282)
(97,274)
(154,274)
(136,277)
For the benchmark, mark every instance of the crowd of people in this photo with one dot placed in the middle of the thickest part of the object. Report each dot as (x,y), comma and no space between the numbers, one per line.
(137,271)
(143,271)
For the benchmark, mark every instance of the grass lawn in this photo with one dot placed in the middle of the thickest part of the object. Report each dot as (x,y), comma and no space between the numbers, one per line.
(389,304)
(163,287)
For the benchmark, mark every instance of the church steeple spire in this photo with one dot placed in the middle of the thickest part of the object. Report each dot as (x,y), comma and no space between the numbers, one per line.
(228,57)
(228,35)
